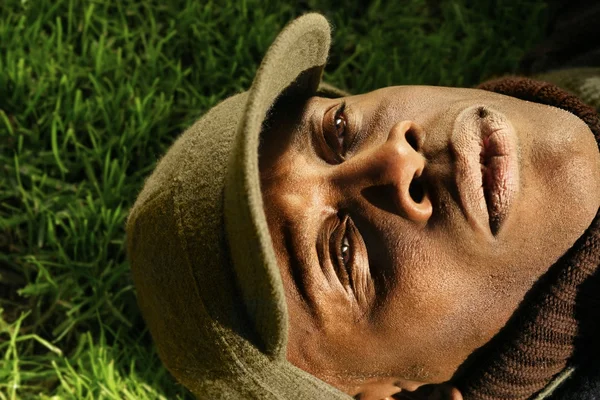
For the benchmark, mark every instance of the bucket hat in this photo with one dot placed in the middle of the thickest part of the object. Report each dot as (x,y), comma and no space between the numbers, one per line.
(202,261)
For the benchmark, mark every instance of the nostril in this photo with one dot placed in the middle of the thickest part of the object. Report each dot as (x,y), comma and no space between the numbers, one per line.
(416,190)
(482,112)
(412,138)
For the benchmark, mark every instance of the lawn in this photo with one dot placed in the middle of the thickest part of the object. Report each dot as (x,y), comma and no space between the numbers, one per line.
(92,93)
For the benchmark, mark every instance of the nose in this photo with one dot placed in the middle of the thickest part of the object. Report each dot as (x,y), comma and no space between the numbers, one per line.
(389,174)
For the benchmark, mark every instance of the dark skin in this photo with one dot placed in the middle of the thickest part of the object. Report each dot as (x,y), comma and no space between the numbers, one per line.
(395,266)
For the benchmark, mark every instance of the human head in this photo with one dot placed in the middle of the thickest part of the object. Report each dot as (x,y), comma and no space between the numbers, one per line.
(393,270)
(212,293)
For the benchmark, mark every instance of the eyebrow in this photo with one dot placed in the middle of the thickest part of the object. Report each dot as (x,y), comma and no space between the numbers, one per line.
(300,272)
(319,246)
(303,118)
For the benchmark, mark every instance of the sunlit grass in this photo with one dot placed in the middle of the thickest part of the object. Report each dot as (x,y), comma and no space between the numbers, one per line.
(91,95)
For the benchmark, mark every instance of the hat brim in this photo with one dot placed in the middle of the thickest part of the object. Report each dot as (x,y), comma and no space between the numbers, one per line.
(295,60)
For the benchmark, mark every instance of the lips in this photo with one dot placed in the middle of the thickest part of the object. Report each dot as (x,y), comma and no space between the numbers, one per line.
(487,170)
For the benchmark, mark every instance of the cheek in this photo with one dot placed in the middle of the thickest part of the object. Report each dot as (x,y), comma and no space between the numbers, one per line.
(337,350)
(437,314)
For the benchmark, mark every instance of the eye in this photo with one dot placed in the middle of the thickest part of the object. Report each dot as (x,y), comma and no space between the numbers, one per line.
(340,123)
(345,250)
(344,258)
(342,250)
(336,132)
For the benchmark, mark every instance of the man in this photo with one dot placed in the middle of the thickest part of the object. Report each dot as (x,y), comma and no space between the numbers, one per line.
(413,241)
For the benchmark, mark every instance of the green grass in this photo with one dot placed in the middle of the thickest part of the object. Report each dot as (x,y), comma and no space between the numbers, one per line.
(91,95)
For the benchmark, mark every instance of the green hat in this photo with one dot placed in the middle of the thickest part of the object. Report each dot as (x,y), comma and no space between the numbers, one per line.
(207,280)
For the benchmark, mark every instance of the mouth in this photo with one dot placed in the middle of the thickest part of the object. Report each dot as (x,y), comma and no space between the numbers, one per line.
(487,166)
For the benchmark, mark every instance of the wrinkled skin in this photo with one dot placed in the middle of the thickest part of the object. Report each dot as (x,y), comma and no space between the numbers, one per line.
(391,279)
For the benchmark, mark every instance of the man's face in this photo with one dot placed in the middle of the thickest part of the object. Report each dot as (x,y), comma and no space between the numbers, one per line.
(409,222)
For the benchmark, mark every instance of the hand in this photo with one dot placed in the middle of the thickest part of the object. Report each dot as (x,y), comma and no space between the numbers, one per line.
(442,391)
